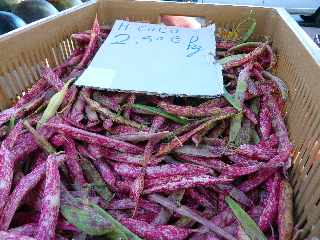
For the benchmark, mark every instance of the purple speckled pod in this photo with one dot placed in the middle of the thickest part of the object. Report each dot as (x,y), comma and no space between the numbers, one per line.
(8,156)
(119,129)
(77,110)
(256,151)
(105,172)
(141,136)
(131,100)
(92,46)
(250,115)
(155,232)
(11,236)
(255,180)
(72,157)
(106,101)
(52,78)
(265,120)
(73,162)
(25,230)
(107,123)
(94,138)
(285,211)
(188,111)
(36,90)
(165,170)
(199,198)
(270,209)
(24,186)
(51,201)
(187,182)
(93,119)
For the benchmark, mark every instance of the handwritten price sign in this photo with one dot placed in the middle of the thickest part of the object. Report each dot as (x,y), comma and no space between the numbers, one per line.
(156,34)
(154,58)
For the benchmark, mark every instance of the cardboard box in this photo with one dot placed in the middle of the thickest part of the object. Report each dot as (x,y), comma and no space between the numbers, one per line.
(48,41)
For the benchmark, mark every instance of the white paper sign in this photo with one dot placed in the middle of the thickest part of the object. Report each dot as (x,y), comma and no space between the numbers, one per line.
(154,58)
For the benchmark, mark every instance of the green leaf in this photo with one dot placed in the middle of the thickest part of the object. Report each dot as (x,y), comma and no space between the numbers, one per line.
(238,98)
(241,87)
(250,30)
(94,177)
(244,135)
(235,126)
(236,104)
(255,139)
(41,140)
(231,58)
(246,222)
(87,220)
(12,122)
(254,106)
(161,112)
(54,104)
(118,225)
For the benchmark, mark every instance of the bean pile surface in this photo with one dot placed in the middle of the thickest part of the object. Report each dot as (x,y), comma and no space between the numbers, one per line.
(79,163)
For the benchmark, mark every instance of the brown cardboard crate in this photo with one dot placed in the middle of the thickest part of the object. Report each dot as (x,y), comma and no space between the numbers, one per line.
(48,41)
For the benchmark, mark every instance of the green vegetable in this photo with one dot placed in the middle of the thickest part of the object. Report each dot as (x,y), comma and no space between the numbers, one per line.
(119,226)
(231,58)
(87,220)
(90,218)
(161,112)
(54,104)
(94,177)
(246,222)
(255,139)
(235,126)
(42,142)
(12,122)
(250,30)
